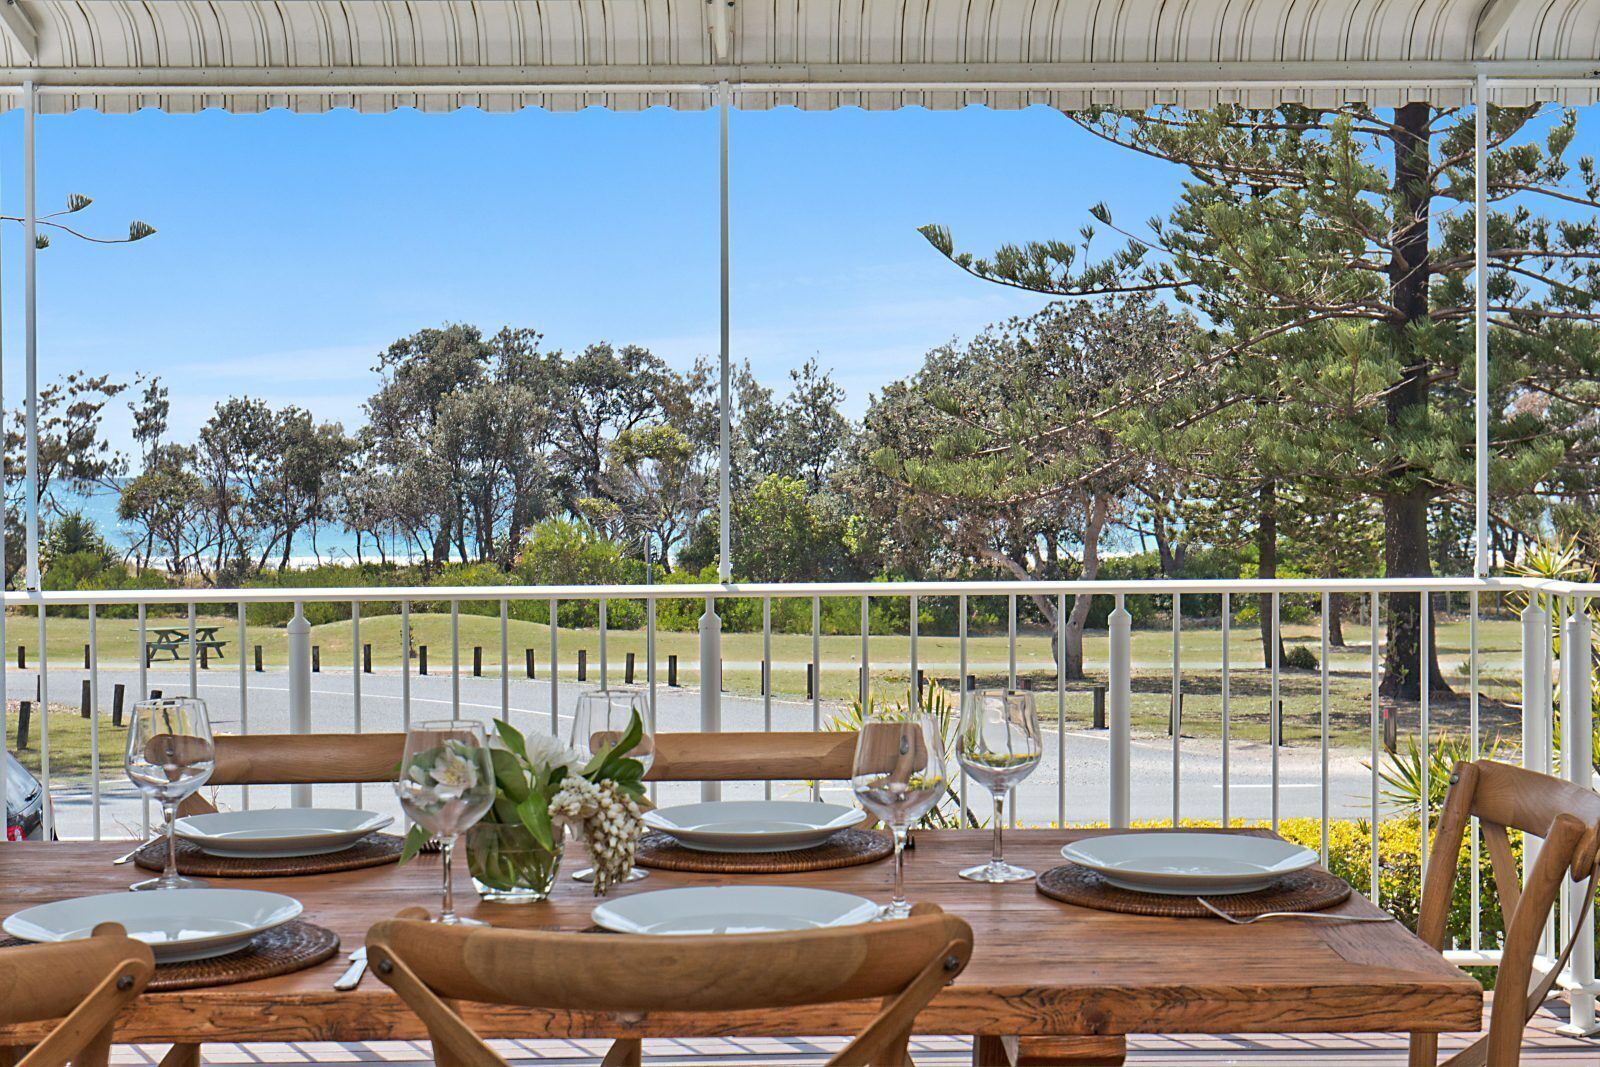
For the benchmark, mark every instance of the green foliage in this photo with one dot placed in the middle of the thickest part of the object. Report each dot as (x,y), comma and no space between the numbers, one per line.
(935,702)
(1401,772)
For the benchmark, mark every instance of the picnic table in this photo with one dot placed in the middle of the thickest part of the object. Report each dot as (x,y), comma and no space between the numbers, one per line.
(175,639)
(1039,967)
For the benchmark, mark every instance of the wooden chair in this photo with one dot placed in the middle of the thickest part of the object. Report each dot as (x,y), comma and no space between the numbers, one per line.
(753,757)
(1505,798)
(85,984)
(904,963)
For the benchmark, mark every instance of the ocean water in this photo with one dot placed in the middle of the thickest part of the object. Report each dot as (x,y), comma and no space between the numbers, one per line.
(333,543)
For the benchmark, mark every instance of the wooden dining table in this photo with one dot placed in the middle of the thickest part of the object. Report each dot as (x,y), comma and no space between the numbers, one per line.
(1040,967)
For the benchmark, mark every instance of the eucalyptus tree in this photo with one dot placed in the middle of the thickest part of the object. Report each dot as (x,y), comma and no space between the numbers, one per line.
(1337,244)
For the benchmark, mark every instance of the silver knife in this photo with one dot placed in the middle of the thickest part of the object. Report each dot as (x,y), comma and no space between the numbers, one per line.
(352,975)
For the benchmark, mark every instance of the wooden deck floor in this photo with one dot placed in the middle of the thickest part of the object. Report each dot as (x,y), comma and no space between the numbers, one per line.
(1545,1048)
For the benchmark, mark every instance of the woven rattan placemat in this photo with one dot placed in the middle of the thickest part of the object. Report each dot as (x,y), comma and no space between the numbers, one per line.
(374,850)
(1308,890)
(847,848)
(281,950)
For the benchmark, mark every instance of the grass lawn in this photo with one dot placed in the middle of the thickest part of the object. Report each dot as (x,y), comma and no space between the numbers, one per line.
(70,749)
(1200,653)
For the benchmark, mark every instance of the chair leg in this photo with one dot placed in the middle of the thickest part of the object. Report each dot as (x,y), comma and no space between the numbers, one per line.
(625,1052)
(183,1055)
(988,1051)
(1049,1051)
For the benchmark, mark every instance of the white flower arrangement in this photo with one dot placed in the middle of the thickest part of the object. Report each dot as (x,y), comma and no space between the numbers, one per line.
(544,787)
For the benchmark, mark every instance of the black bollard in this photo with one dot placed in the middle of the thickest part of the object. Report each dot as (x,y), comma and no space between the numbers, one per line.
(527,656)
(366,659)
(258,659)
(88,693)
(627,671)
(119,693)
(1099,719)
(672,671)
(477,661)
(583,665)
(316,659)
(422,659)
(24,714)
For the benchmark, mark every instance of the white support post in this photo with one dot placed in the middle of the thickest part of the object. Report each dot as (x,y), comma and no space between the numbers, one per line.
(30,254)
(1480,323)
(299,641)
(1578,719)
(725,492)
(1119,714)
(710,684)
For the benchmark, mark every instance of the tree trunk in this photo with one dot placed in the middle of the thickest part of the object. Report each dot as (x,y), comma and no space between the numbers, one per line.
(1267,565)
(1072,632)
(1405,506)
(1336,619)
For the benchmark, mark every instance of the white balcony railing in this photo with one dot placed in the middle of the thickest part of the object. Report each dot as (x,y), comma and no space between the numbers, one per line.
(1246,770)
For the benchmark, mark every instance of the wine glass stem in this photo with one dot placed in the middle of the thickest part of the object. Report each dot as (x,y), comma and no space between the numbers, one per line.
(169,874)
(997,856)
(447,910)
(898,903)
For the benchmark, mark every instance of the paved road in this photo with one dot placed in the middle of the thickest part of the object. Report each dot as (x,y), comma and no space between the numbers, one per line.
(334,709)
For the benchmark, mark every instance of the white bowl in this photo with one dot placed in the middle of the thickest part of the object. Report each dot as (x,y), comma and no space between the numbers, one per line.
(177,924)
(267,833)
(1188,863)
(753,825)
(733,909)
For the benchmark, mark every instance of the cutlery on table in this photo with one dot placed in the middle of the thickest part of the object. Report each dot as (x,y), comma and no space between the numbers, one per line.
(126,856)
(352,975)
(1235,920)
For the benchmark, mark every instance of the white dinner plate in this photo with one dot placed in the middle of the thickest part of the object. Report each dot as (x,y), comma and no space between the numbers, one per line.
(753,825)
(732,909)
(266,833)
(1189,863)
(177,924)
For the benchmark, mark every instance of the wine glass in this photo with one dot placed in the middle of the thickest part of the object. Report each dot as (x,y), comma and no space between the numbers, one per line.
(899,775)
(170,755)
(998,744)
(446,785)
(598,723)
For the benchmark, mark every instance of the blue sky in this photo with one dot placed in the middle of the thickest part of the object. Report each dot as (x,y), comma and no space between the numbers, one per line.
(293,248)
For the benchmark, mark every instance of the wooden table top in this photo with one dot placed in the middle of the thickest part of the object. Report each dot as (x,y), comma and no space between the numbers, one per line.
(1040,967)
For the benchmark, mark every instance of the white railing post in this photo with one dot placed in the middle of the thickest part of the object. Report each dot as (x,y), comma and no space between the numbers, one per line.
(1119,714)
(710,684)
(1577,716)
(299,641)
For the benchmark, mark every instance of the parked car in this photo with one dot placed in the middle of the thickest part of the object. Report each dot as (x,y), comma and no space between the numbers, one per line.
(24,802)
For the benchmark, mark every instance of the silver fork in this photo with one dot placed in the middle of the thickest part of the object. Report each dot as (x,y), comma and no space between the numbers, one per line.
(126,856)
(1235,920)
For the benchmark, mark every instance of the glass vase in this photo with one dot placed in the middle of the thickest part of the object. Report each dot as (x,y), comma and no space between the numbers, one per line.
(509,866)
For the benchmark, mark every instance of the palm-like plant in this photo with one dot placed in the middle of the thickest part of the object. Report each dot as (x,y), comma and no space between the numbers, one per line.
(936,702)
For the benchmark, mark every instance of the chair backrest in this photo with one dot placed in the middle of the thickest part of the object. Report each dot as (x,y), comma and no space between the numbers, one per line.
(753,756)
(1505,798)
(320,759)
(300,759)
(84,983)
(904,962)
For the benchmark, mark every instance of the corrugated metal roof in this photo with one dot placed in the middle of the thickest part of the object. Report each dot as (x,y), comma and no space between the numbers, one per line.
(499,55)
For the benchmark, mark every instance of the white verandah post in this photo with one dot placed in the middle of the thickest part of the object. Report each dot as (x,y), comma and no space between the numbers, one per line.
(710,622)
(30,254)
(1480,326)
